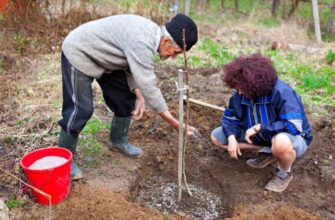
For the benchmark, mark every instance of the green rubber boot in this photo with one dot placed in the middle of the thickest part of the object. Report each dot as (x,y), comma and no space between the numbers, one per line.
(118,139)
(69,142)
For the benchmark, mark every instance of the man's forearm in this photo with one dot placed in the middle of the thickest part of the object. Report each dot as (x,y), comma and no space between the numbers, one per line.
(166,115)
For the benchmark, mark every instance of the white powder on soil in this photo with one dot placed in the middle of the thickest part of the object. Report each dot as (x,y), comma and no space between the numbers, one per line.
(47,162)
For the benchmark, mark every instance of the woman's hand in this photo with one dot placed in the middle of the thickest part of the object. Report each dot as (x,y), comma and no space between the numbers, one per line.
(139,111)
(252,131)
(233,147)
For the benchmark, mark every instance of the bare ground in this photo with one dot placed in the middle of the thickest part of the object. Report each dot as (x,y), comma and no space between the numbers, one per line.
(222,188)
(116,187)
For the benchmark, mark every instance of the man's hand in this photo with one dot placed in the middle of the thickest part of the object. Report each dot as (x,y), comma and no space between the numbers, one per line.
(252,131)
(139,106)
(233,147)
(191,131)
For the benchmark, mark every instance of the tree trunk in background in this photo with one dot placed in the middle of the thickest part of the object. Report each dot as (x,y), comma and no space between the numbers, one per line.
(316,20)
(275,5)
(202,5)
(331,23)
(294,6)
(187,7)
(222,4)
(237,5)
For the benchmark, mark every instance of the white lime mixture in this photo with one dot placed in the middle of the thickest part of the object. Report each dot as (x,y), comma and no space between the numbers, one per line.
(47,162)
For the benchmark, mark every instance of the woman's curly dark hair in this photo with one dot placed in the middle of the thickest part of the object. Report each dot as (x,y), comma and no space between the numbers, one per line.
(253,75)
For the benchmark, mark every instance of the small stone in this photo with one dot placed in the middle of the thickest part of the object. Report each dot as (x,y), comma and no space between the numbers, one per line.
(4,212)
(161,167)
(200,147)
(158,159)
(182,214)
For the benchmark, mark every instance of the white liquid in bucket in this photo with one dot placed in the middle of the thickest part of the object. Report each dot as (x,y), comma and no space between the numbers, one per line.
(47,162)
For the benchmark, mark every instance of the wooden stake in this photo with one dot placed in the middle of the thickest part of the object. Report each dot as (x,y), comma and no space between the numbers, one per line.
(181,131)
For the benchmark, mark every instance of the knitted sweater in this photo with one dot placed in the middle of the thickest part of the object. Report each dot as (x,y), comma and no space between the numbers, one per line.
(127,42)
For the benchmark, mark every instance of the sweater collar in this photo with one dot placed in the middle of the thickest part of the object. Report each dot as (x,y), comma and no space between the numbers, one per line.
(158,38)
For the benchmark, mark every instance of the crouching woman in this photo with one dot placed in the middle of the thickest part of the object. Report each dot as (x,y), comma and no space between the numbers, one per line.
(265,114)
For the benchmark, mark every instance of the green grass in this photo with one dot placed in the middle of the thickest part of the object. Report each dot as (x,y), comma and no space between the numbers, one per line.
(219,55)
(89,143)
(91,146)
(13,203)
(269,22)
(94,126)
(212,54)
(56,104)
(315,85)
(330,57)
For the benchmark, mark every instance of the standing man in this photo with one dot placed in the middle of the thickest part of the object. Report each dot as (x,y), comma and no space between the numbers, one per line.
(118,52)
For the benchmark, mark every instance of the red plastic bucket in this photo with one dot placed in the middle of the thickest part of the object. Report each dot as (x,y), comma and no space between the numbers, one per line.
(54,181)
(3,4)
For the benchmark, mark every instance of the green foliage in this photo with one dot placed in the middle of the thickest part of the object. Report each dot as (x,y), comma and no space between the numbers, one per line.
(117,162)
(20,42)
(94,126)
(218,54)
(330,57)
(328,37)
(269,22)
(91,146)
(315,85)
(56,104)
(206,53)
(1,68)
(13,203)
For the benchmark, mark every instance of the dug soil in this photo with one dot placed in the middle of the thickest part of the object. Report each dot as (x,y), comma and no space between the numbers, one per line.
(117,187)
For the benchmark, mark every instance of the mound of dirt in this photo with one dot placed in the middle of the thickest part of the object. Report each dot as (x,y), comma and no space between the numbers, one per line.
(273,211)
(87,202)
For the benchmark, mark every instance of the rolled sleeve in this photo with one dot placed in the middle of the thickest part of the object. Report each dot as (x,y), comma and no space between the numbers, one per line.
(140,60)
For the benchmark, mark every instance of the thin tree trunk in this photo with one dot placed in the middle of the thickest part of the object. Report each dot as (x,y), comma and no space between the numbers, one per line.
(330,23)
(187,7)
(316,20)
(237,5)
(294,6)
(63,6)
(222,4)
(275,5)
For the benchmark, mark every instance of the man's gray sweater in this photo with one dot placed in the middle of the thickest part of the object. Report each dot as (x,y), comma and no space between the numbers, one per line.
(118,42)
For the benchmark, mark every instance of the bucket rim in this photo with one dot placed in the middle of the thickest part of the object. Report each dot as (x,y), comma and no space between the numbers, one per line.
(41,149)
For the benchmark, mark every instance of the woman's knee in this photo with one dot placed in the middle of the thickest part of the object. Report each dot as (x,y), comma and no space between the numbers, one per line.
(214,140)
(281,144)
(218,137)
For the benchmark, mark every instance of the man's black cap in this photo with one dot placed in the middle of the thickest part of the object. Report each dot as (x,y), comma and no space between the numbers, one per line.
(175,28)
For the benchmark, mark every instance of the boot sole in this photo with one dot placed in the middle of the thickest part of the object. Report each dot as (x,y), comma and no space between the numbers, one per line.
(281,189)
(128,155)
(76,178)
(262,165)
